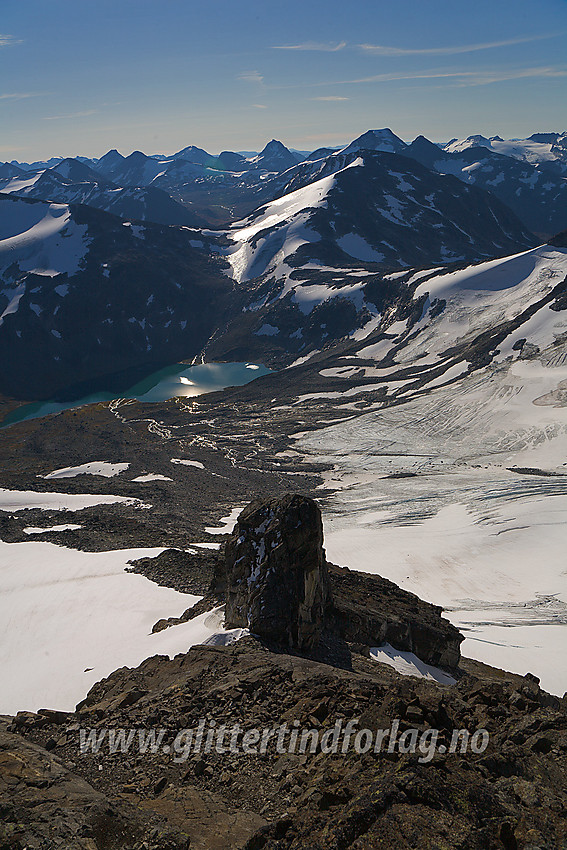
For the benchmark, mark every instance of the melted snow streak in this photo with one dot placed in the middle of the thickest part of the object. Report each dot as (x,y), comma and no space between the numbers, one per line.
(228,522)
(97,467)
(23,500)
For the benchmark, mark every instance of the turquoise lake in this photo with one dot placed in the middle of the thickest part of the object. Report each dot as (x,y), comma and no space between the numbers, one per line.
(171,381)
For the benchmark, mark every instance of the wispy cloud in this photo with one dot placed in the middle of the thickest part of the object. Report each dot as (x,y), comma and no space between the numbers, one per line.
(21,95)
(387,50)
(384,50)
(312,45)
(330,97)
(71,115)
(259,106)
(251,77)
(483,78)
(456,78)
(6,40)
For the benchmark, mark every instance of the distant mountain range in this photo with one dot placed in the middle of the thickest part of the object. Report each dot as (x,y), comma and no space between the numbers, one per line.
(74,182)
(537,196)
(528,175)
(112,265)
(544,149)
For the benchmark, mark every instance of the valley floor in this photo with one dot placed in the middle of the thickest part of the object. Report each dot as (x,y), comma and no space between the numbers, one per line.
(437,450)
(440,512)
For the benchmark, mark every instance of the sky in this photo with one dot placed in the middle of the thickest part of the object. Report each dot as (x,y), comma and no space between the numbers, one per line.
(78,77)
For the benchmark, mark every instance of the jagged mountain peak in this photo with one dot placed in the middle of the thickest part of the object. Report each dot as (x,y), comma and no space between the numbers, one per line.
(275,157)
(112,159)
(72,169)
(111,155)
(378,140)
(423,143)
(137,156)
(189,151)
(274,145)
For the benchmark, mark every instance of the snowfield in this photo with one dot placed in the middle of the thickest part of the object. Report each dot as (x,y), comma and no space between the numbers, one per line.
(23,500)
(408,664)
(41,236)
(85,617)
(478,523)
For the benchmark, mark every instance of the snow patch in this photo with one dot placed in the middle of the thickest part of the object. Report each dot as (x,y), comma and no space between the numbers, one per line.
(95,467)
(408,664)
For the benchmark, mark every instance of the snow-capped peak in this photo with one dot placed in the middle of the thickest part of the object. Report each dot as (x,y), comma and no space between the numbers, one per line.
(377,140)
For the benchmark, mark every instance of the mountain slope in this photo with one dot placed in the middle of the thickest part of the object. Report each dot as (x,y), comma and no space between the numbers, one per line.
(379,208)
(8,170)
(72,182)
(76,172)
(84,295)
(327,259)
(537,196)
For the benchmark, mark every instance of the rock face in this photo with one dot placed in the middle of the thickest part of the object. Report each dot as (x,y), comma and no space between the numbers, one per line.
(276,573)
(368,609)
(43,805)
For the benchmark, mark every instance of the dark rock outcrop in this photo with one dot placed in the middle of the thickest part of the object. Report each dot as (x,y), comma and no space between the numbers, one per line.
(187,572)
(370,610)
(275,573)
(276,581)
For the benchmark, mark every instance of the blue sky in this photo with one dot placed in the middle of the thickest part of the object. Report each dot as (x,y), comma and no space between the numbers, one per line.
(81,77)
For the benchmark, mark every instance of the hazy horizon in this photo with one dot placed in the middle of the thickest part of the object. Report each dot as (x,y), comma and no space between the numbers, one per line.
(159,76)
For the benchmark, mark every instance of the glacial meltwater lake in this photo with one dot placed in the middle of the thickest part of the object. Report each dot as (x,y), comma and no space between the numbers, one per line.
(177,380)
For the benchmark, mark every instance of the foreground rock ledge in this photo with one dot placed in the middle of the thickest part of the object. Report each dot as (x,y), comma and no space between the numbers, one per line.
(511,796)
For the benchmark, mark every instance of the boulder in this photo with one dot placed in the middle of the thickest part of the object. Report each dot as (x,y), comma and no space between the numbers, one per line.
(275,574)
